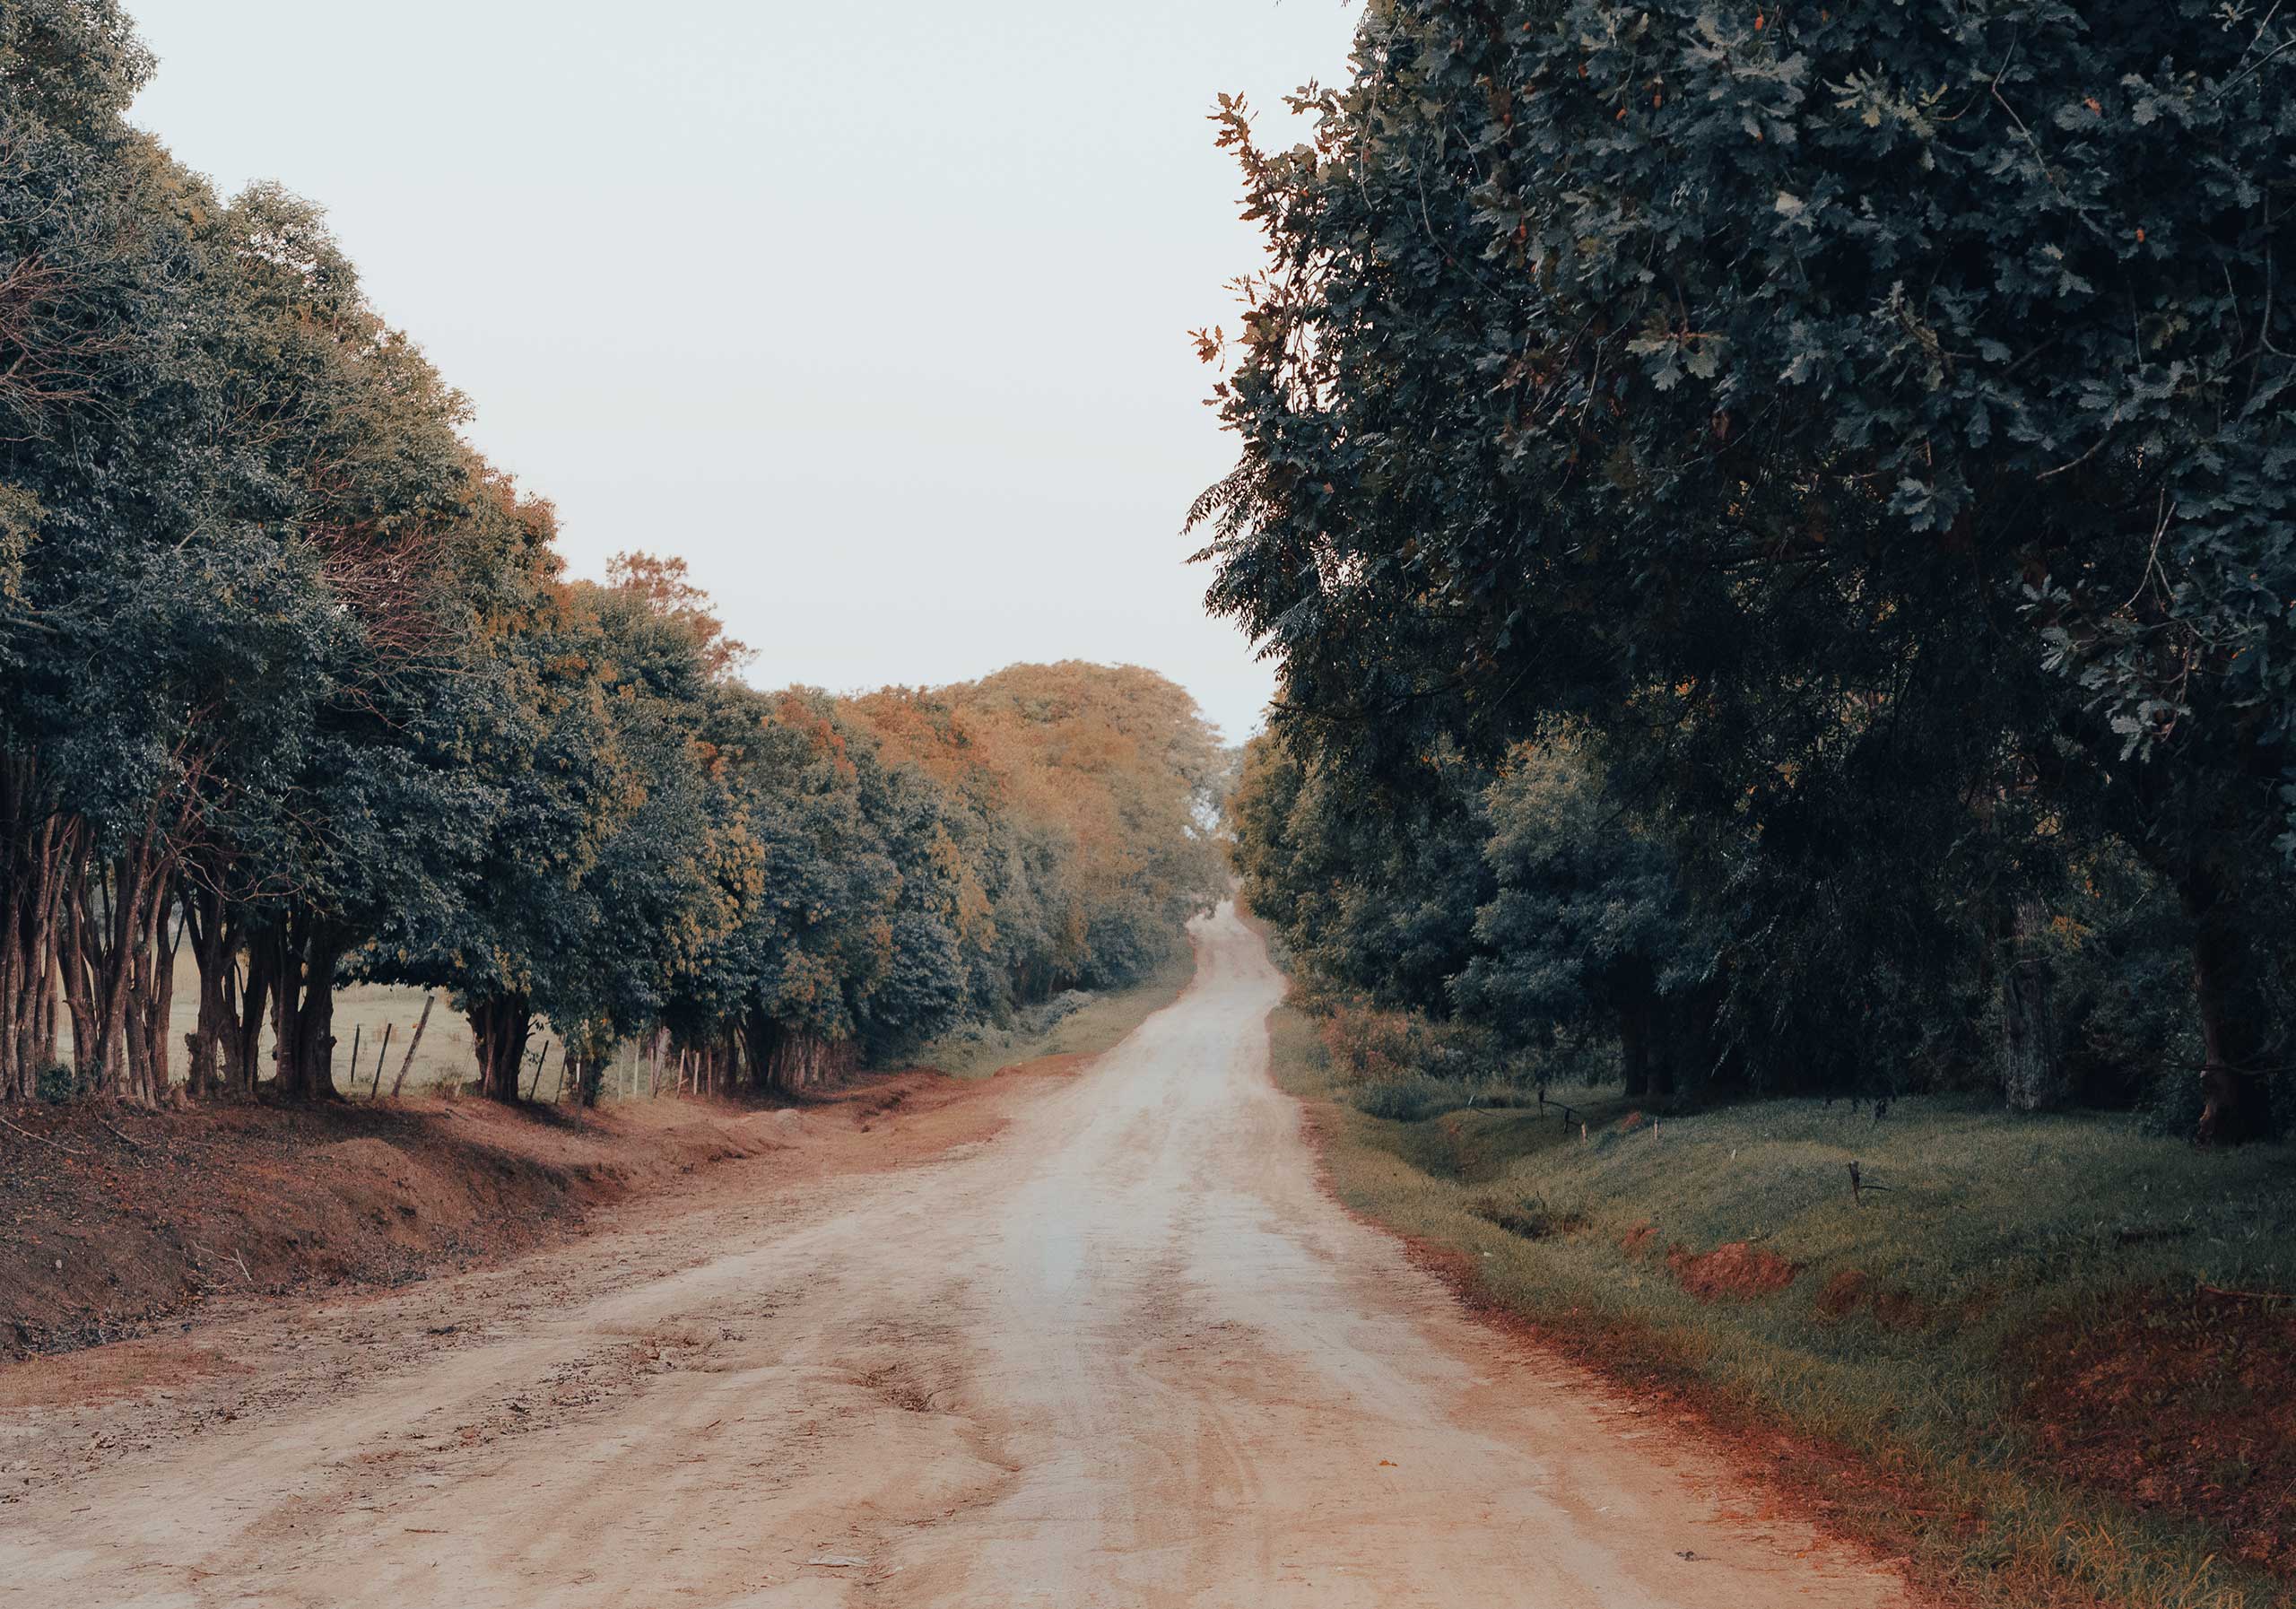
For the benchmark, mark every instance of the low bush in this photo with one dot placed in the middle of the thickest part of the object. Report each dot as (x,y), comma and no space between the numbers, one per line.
(1532,1217)
(58,1082)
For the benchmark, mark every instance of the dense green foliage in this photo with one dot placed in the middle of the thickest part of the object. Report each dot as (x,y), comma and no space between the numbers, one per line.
(289,674)
(1868,432)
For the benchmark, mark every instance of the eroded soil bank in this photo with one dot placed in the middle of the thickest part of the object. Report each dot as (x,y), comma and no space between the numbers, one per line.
(119,1222)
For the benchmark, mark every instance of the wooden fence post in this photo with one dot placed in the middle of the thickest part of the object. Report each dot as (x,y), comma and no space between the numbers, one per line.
(413,1045)
(381,1057)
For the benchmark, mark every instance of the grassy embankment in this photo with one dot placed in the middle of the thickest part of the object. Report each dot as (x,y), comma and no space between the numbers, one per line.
(1098,1026)
(2041,1362)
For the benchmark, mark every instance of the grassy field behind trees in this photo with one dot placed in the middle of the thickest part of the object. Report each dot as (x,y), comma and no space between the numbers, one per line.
(1776,526)
(295,697)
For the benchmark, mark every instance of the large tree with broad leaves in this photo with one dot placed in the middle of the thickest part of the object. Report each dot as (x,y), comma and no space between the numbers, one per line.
(1873,421)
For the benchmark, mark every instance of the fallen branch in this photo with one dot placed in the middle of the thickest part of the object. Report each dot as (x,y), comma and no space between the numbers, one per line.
(2139,1236)
(43,1139)
(2209,1290)
(133,1145)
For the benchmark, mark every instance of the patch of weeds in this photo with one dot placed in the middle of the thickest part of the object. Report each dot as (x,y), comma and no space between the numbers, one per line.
(57,1083)
(1412,1099)
(1532,1217)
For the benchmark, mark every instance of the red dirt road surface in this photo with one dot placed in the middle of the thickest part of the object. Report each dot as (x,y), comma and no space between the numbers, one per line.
(1119,1351)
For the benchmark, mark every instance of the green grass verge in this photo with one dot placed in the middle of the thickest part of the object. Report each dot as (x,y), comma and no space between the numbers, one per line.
(1097,1026)
(1915,1321)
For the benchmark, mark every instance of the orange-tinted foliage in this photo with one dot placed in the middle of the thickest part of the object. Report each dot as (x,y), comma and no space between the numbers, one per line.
(663,584)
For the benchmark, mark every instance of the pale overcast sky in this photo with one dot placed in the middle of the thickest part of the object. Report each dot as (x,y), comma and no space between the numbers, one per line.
(874,311)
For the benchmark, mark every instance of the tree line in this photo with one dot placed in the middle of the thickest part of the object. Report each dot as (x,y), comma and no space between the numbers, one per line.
(1778,523)
(292,681)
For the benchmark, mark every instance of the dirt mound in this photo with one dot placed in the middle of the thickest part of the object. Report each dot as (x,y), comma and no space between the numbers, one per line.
(126,1370)
(1844,1294)
(2177,1403)
(1068,1063)
(1893,1308)
(1738,1269)
(114,1218)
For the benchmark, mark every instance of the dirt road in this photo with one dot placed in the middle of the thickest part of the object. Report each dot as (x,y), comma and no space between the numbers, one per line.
(1123,1352)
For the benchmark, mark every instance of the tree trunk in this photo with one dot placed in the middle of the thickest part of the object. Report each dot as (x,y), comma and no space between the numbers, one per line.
(243,1043)
(211,924)
(1668,1045)
(2033,1077)
(792,1061)
(2227,987)
(1634,1044)
(500,1028)
(152,996)
(79,999)
(305,949)
(50,1001)
(2194,836)
(107,946)
(39,850)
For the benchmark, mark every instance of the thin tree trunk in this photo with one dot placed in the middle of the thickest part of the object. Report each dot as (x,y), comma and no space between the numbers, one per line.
(793,1061)
(500,1028)
(1634,1049)
(108,949)
(258,997)
(48,1002)
(2034,1076)
(212,926)
(39,848)
(79,994)
(304,985)
(2228,989)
